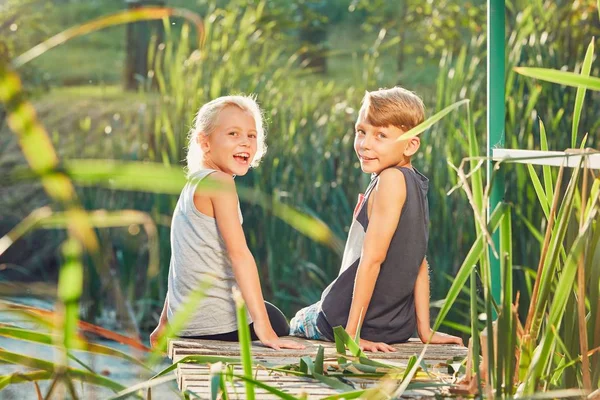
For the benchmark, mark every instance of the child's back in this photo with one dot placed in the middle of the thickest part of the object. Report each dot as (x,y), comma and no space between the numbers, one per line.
(383,285)
(207,239)
(199,253)
(390,317)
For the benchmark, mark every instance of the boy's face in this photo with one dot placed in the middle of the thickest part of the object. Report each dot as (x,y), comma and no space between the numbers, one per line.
(378,147)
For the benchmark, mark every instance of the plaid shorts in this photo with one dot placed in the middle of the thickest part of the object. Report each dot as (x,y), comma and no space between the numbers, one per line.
(304,323)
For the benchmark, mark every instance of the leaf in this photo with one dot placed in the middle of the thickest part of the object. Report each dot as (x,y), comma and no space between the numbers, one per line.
(180,318)
(423,126)
(347,341)
(44,338)
(141,386)
(332,382)
(539,190)
(468,264)
(560,77)
(548,181)
(319,360)
(245,341)
(123,17)
(253,382)
(585,71)
(23,377)
(84,376)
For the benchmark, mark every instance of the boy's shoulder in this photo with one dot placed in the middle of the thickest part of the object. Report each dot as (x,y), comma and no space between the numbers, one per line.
(391,178)
(392,183)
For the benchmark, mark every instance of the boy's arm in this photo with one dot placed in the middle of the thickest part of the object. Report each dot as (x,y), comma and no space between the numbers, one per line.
(225,205)
(389,198)
(422,309)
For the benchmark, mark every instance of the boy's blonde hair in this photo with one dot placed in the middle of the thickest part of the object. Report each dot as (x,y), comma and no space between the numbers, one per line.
(396,107)
(205,120)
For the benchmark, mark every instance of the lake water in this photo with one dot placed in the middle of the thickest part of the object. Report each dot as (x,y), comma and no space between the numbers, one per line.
(117,369)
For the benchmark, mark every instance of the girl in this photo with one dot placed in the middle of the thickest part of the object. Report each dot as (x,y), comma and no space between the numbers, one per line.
(207,239)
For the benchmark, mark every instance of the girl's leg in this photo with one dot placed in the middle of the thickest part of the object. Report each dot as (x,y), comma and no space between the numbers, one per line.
(278,320)
(276,317)
(227,337)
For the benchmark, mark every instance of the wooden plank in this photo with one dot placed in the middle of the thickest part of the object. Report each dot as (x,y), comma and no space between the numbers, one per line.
(229,349)
(204,391)
(195,377)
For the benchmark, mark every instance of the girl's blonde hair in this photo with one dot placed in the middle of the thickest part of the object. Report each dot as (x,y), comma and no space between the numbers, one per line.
(205,123)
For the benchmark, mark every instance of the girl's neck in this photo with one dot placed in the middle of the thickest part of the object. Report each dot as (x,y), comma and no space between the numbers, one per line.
(208,164)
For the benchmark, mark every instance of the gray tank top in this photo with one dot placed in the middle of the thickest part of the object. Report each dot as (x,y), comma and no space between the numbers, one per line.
(391,314)
(198,252)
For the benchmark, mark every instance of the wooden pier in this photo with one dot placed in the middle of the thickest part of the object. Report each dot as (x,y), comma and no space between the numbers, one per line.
(195,378)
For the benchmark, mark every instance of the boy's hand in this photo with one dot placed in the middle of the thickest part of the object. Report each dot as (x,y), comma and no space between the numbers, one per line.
(441,338)
(366,345)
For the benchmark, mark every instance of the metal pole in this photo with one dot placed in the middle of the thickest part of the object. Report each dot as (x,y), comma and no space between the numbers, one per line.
(495,118)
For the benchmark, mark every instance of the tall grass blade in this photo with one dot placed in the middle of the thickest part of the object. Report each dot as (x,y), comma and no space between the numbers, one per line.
(179,320)
(251,382)
(547,173)
(23,377)
(70,284)
(539,190)
(125,393)
(560,77)
(554,248)
(543,353)
(156,178)
(48,339)
(245,342)
(475,345)
(343,338)
(429,122)
(45,218)
(84,376)
(468,264)
(585,71)
(123,17)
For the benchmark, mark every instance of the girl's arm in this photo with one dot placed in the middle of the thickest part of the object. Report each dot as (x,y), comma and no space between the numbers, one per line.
(390,195)
(225,206)
(422,309)
(162,324)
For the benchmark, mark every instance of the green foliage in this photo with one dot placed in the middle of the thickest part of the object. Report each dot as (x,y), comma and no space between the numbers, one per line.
(435,26)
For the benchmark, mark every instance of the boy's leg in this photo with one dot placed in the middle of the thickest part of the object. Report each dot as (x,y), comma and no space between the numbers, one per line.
(304,323)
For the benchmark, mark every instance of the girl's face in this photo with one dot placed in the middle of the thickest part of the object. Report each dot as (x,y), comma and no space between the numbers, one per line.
(232,145)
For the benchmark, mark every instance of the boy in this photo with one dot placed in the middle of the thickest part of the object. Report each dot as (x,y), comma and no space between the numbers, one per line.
(383,280)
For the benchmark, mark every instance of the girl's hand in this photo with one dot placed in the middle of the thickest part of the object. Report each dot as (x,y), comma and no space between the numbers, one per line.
(156,333)
(441,338)
(269,338)
(366,345)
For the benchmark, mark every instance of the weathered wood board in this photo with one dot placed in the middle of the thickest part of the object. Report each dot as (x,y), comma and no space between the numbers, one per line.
(195,377)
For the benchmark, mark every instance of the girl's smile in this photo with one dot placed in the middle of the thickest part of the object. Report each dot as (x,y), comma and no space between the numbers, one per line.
(232,145)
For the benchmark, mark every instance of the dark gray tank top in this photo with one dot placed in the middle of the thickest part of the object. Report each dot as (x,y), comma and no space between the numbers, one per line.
(391,314)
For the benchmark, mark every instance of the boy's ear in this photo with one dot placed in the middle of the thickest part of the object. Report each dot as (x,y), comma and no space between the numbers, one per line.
(412,146)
